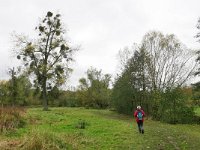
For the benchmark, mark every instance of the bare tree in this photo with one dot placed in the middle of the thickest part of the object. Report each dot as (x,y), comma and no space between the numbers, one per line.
(170,63)
(124,55)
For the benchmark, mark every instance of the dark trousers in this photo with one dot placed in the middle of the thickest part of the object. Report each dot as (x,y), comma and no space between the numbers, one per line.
(140,126)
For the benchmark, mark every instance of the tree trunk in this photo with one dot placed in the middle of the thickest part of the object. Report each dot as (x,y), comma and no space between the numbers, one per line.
(44,94)
(174,111)
(1,107)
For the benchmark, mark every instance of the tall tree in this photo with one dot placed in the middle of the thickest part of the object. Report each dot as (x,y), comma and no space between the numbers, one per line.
(196,86)
(47,57)
(131,86)
(171,63)
(13,86)
(198,52)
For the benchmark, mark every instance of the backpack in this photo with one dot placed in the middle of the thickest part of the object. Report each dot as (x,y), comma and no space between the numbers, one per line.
(139,115)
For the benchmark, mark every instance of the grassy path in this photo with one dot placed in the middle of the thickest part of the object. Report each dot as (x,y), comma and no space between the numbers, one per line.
(104,130)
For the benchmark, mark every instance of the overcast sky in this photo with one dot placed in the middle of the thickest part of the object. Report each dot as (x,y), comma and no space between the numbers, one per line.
(101,27)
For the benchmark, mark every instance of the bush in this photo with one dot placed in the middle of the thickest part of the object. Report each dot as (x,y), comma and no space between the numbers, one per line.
(173,107)
(11,118)
(81,124)
(196,98)
(180,115)
(156,97)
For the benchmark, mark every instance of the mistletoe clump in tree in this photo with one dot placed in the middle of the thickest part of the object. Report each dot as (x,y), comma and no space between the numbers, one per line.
(47,58)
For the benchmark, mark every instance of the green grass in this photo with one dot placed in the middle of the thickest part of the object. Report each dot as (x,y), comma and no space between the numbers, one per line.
(104,129)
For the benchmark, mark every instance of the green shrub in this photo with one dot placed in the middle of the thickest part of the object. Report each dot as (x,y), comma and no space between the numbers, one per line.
(81,124)
(196,98)
(173,107)
(156,97)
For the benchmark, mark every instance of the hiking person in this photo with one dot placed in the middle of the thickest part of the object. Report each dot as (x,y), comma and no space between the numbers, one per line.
(139,117)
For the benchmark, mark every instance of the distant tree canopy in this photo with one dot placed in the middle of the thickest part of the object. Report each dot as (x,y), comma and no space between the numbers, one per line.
(15,91)
(161,64)
(170,63)
(46,58)
(94,90)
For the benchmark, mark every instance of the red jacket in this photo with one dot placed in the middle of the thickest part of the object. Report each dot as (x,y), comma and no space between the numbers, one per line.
(135,115)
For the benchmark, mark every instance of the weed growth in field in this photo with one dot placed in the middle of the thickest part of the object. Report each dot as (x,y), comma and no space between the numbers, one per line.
(42,140)
(11,118)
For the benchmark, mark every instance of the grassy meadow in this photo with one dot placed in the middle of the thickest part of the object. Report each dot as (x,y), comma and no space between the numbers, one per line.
(89,129)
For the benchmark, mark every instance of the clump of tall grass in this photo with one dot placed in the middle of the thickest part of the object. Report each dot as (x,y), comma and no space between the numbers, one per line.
(11,118)
(81,124)
(43,140)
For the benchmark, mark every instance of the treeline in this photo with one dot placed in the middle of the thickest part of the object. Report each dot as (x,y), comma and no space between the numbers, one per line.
(93,92)
(173,105)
